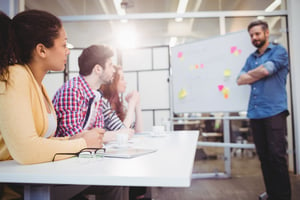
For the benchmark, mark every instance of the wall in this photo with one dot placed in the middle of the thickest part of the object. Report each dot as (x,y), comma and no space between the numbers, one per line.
(293,7)
(147,70)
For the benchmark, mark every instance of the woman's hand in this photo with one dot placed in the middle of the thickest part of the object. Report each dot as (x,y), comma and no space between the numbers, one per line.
(129,131)
(112,135)
(93,137)
(133,98)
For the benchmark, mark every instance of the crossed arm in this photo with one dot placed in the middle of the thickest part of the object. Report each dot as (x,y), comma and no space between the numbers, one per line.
(252,75)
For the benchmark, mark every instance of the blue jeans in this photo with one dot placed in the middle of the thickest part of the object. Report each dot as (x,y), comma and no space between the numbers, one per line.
(269,136)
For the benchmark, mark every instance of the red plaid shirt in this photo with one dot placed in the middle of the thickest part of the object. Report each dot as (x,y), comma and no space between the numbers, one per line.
(71,104)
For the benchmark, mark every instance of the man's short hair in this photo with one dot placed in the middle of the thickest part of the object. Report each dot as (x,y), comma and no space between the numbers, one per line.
(93,55)
(261,23)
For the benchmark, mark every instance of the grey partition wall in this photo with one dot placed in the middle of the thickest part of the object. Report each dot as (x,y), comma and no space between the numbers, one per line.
(204,74)
(147,70)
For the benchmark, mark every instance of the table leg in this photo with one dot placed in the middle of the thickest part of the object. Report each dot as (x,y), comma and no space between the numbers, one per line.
(37,192)
(48,192)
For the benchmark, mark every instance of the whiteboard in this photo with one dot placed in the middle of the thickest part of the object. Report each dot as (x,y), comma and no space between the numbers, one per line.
(204,73)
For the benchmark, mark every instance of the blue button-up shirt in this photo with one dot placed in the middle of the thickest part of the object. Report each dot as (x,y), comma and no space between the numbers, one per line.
(268,95)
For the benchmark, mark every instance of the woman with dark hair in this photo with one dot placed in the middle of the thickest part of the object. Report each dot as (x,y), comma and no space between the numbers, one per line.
(33,43)
(36,44)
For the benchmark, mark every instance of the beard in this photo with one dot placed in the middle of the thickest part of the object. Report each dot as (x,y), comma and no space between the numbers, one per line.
(259,43)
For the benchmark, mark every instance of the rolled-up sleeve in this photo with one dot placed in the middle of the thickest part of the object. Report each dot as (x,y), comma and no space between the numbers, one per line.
(278,60)
(111,120)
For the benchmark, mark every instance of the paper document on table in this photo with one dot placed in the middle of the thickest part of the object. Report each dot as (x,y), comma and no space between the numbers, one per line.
(129,152)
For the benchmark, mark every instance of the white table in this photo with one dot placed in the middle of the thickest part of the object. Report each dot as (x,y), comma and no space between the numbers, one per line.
(170,166)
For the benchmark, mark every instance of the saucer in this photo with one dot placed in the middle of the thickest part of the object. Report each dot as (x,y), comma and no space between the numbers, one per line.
(160,134)
(116,146)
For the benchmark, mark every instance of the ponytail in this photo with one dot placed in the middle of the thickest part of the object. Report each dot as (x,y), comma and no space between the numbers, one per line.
(7,55)
(20,35)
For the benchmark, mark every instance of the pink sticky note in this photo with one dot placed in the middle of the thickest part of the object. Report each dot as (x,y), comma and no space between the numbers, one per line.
(179,55)
(220,87)
(232,49)
(202,65)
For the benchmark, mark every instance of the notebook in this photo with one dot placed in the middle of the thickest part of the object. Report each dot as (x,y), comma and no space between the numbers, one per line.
(129,152)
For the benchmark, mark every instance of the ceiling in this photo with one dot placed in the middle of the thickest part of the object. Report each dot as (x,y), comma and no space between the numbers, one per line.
(97,21)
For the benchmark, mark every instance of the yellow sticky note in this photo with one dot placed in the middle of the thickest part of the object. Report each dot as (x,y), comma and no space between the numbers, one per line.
(225,92)
(227,72)
(182,94)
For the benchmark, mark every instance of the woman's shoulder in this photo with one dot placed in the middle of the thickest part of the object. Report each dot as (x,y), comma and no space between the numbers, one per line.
(18,73)
(18,76)
(105,102)
(17,68)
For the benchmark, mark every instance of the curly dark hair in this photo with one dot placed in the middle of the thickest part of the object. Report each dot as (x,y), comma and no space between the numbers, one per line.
(6,50)
(20,36)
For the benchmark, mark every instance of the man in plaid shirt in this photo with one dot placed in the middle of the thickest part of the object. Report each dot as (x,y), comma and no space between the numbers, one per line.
(78,105)
(74,98)
(78,101)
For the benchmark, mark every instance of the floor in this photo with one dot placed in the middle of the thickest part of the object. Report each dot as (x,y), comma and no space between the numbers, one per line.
(245,183)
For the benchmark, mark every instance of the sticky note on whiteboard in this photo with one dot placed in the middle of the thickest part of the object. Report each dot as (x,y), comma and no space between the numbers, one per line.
(182,94)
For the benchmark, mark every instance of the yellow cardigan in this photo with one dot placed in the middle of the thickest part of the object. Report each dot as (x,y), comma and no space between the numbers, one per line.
(24,121)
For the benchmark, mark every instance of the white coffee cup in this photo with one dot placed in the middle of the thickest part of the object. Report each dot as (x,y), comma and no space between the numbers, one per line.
(122,139)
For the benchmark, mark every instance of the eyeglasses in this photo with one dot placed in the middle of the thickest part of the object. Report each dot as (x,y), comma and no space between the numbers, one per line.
(85,153)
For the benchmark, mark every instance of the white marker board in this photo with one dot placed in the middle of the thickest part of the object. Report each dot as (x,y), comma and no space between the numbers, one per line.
(204,74)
